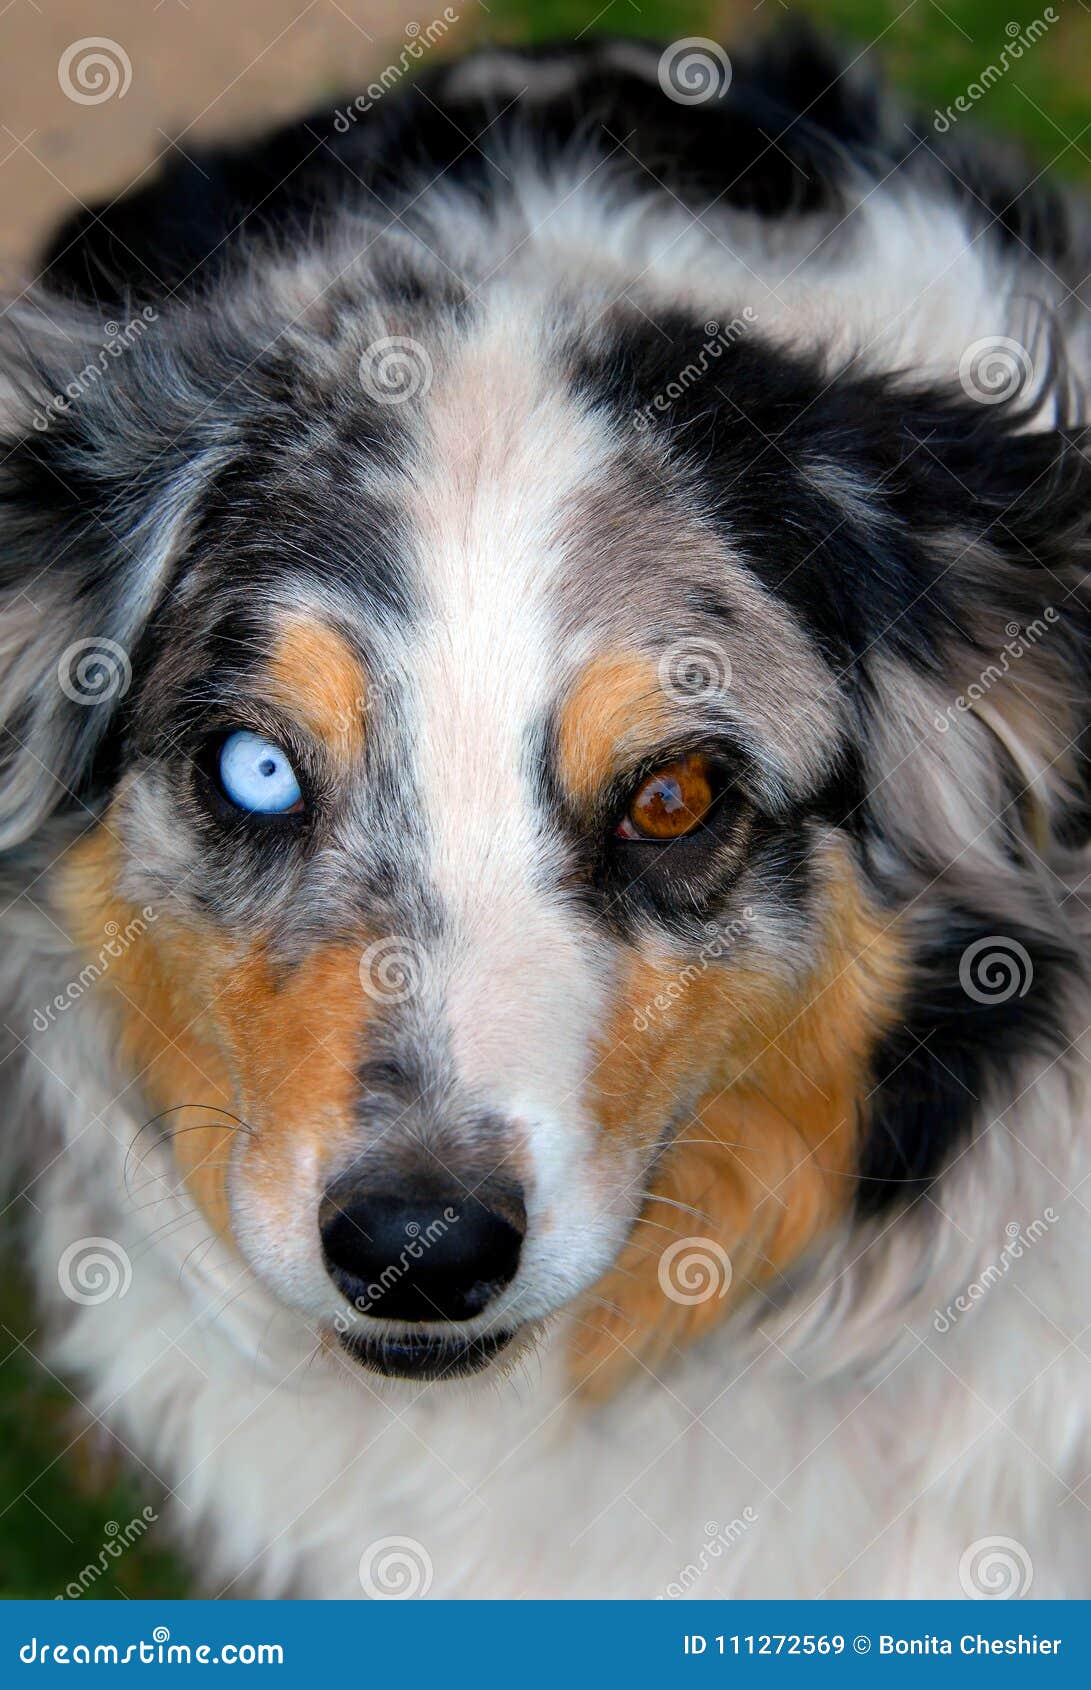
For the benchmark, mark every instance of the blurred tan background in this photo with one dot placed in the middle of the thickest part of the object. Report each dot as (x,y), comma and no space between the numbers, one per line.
(199,68)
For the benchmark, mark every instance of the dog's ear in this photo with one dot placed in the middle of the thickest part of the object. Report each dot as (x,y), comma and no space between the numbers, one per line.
(97,472)
(979,779)
(990,717)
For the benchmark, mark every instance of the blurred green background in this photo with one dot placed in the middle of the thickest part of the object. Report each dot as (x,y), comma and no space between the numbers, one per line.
(58,1511)
(929,50)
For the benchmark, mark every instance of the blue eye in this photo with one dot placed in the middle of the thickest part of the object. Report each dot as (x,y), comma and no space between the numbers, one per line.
(257,776)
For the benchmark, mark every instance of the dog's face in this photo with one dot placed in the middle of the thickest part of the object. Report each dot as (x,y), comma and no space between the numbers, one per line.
(532,788)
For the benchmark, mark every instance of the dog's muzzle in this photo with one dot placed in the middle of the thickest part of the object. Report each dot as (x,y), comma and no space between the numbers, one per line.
(428,1252)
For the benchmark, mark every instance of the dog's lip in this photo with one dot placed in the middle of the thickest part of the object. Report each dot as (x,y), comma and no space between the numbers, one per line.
(424,1355)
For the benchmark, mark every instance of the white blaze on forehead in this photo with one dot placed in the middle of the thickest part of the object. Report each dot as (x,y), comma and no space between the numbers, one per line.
(507,450)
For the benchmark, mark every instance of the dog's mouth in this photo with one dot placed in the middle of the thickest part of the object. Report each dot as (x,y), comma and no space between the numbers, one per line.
(423,1355)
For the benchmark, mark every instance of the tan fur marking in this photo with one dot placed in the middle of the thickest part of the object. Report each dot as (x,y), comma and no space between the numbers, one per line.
(616,709)
(317,679)
(209,1028)
(766,1163)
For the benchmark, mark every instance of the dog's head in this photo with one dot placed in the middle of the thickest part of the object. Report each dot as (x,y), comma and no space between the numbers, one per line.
(556,817)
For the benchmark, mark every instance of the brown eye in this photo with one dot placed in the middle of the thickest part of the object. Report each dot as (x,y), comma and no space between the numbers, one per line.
(670,803)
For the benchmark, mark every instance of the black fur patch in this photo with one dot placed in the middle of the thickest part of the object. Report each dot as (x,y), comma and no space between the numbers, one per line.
(783,140)
(953,1049)
(765,442)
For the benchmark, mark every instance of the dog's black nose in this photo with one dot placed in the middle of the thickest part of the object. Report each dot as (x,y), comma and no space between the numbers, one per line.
(406,1257)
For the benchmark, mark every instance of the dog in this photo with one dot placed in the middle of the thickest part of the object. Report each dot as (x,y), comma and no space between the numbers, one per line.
(545,809)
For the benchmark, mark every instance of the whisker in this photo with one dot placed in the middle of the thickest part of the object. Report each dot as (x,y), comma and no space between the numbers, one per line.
(237,1125)
(210,1240)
